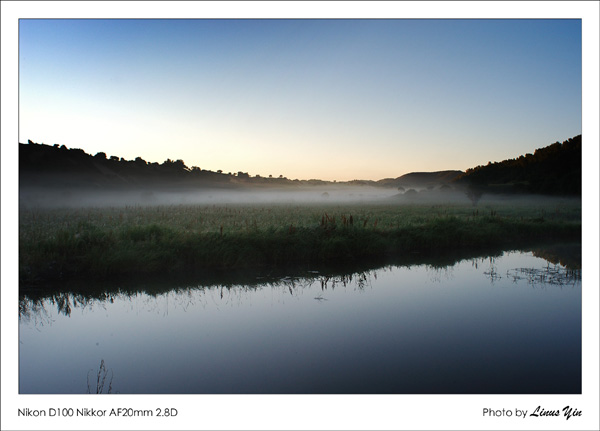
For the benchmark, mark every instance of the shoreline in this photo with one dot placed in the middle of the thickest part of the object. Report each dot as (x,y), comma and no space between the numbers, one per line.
(148,250)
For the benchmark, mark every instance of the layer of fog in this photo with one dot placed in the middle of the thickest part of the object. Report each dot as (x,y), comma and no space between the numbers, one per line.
(54,197)
(39,197)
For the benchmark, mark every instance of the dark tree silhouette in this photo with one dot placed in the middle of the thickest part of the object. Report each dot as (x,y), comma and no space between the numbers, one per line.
(474,195)
(555,169)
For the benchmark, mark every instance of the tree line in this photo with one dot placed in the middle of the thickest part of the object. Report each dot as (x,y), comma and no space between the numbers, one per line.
(37,160)
(552,170)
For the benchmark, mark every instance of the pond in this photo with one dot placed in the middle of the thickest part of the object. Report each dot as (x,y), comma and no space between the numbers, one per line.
(504,324)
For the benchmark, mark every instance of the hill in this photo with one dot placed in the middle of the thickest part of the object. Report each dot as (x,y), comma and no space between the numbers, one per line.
(60,167)
(421,180)
(552,170)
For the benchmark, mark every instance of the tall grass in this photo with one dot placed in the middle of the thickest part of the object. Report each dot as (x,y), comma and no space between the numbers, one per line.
(100,380)
(105,242)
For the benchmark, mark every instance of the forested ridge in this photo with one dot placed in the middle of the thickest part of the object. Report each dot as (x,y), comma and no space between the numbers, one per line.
(41,165)
(552,170)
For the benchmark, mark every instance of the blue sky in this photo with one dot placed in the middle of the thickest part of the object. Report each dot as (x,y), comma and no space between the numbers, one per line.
(329,99)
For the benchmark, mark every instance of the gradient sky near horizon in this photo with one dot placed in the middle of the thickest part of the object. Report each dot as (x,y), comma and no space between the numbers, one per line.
(328,99)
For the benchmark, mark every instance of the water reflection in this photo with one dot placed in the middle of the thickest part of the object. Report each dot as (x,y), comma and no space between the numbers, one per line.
(564,255)
(567,255)
(100,381)
(35,308)
(554,275)
(476,326)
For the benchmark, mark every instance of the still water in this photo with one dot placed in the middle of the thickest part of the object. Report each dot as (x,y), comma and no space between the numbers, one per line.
(504,324)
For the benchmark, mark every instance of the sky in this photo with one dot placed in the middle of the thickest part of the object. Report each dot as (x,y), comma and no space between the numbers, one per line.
(328,99)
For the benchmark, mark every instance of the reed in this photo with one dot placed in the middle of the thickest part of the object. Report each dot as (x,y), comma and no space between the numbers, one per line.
(100,380)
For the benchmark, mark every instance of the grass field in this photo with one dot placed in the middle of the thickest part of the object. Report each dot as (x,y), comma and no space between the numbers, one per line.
(100,243)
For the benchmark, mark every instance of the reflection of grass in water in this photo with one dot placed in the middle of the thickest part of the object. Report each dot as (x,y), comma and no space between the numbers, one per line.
(33,306)
(36,305)
(550,275)
(100,380)
(103,243)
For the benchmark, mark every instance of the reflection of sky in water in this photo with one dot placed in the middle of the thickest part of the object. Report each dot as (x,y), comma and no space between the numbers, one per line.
(473,327)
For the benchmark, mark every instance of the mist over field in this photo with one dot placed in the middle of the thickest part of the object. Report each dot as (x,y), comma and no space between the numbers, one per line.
(42,197)
(146,197)
(55,176)
(45,198)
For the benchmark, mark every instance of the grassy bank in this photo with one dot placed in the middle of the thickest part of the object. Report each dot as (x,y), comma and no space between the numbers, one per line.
(102,243)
